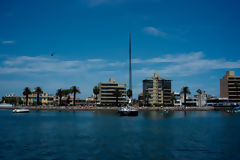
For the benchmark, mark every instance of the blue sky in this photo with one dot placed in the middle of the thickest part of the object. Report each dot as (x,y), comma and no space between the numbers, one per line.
(192,42)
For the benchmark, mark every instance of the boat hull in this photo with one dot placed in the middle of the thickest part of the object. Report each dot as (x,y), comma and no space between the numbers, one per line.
(20,110)
(128,113)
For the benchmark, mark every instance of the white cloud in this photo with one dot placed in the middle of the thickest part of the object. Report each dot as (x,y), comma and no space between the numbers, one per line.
(57,73)
(184,65)
(95,60)
(8,42)
(154,31)
(172,58)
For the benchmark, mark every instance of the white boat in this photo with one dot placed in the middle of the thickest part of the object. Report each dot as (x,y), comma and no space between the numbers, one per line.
(5,105)
(128,110)
(22,110)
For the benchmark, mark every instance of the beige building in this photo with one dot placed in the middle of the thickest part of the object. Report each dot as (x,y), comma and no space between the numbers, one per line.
(106,93)
(44,99)
(159,89)
(230,87)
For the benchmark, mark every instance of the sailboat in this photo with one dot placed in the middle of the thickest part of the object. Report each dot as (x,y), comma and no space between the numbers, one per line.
(128,109)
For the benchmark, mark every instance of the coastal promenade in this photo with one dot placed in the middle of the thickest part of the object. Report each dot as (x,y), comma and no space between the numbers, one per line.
(94,108)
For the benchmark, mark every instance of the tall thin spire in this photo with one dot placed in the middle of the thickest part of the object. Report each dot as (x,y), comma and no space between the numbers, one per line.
(130,63)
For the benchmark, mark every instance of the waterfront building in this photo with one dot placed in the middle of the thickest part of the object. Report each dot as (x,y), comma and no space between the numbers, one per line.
(219,102)
(201,99)
(68,101)
(140,99)
(159,90)
(230,87)
(177,102)
(44,99)
(190,101)
(12,99)
(106,92)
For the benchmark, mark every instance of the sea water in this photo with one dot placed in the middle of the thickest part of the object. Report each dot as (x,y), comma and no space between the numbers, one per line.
(105,135)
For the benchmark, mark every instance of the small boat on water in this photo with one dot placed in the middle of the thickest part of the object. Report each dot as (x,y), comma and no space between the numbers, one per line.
(164,111)
(21,110)
(128,110)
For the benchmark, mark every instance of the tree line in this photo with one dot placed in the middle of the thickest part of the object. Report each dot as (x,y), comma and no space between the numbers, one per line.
(60,93)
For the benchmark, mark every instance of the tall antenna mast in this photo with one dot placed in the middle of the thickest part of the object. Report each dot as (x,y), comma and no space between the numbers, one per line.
(130,63)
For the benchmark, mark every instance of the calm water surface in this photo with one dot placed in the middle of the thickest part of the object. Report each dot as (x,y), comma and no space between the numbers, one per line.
(105,135)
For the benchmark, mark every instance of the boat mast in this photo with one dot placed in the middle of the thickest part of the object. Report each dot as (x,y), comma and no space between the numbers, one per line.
(130,63)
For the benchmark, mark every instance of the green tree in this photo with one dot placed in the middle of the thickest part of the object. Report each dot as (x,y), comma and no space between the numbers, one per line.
(129,93)
(199,91)
(173,98)
(96,91)
(74,90)
(38,91)
(147,97)
(117,93)
(59,94)
(26,92)
(185,90)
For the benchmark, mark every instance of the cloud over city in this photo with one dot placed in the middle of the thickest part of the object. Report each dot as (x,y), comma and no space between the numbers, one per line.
(8,42)
(154,31)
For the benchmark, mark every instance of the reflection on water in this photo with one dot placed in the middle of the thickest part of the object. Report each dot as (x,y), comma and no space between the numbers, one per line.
(106,135)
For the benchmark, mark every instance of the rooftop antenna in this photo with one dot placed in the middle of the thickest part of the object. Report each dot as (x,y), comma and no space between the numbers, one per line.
(130,63)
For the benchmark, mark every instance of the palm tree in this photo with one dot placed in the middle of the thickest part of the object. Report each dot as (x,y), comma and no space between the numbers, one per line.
(38,91)
(199,91)
(185,90)
(117,93)
(173,98)
(96,91)
(147,97)
(59,94)
(74,90)
(26,92)
(129,93)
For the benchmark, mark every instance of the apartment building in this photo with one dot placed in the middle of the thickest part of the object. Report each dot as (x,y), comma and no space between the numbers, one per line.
(44,99)
(106,93)
(159,90)
(230,87)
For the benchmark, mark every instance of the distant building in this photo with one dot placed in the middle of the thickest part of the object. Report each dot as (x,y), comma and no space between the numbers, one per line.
(190,101)
(219,102)
(230,87)
(201,99)
(159,89)
(12,99)
(44,99)
(177,102)
(106,93)
(68,101)
(140,99)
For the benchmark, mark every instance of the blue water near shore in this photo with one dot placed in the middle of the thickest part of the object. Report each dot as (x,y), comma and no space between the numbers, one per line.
(105,135)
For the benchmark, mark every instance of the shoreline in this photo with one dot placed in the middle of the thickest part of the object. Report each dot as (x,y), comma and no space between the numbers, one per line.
(91,108)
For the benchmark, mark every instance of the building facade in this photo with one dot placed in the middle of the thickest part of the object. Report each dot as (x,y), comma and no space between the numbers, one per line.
(159,90)
(44,99)
(106,93)
(230,87)
(177,102)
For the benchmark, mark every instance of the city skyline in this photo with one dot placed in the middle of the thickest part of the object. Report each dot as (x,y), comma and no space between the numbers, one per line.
(192,43)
